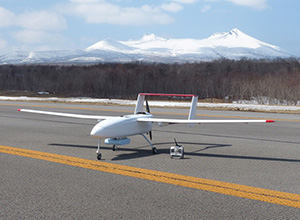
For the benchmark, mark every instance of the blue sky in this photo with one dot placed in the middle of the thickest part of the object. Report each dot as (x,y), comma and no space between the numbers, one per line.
(76,24)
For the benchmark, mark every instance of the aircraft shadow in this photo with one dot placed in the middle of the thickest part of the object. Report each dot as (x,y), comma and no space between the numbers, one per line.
(226,136)
(145,151)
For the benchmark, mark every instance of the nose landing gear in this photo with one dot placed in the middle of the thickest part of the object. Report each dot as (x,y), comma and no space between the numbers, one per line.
(99,155)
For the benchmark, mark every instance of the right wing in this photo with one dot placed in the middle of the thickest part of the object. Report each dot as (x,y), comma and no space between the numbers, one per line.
(97,117)
(165,121)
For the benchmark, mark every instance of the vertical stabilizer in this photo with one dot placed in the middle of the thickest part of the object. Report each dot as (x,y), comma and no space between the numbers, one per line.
(192,114)
(140,104)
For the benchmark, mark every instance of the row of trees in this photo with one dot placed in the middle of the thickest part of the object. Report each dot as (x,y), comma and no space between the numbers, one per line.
(222,79)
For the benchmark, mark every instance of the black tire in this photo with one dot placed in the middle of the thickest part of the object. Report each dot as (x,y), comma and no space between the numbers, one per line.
(99,156)
(154,150)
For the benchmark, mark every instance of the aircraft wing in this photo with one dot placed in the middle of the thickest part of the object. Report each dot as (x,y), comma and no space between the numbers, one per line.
(164,121)
(97,117)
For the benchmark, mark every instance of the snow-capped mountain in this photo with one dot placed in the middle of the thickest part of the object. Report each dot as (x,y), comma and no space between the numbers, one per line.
(150,48)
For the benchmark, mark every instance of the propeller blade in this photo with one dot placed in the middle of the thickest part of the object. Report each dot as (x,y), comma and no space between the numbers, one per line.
(148,110)
(147,107)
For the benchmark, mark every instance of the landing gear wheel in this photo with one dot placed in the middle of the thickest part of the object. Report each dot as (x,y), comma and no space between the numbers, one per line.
(154,150)
(114,148)
(99,155)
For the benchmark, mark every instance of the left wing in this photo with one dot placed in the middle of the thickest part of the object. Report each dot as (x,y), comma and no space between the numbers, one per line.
(97,117)
(186,121)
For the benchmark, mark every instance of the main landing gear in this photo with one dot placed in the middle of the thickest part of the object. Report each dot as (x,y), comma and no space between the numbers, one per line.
(154,150)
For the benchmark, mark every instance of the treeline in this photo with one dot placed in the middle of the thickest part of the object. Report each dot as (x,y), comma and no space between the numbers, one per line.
(221,79)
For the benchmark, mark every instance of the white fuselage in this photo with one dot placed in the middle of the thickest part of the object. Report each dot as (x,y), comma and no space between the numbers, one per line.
(121,127)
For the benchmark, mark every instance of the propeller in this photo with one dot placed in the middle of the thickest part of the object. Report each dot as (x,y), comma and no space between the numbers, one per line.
(147,107)
(148,110)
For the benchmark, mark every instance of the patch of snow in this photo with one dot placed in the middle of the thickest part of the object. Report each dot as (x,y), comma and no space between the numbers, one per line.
(31,55)
(86,59)
(237,106)
(267,101)
(43,93)
(152,37)
(109,44)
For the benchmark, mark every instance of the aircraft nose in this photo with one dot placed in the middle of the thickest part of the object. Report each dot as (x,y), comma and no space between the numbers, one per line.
(93,132)
(96,131)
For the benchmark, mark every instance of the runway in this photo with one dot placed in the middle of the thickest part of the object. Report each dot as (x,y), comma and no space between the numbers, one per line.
(261,157)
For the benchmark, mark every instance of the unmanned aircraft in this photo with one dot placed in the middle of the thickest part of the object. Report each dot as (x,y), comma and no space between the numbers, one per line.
(116,130)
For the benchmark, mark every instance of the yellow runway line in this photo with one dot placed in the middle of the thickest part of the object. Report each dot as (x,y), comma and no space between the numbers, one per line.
(249,192)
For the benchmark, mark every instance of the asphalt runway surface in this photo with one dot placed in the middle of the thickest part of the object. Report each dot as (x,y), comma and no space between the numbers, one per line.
(265,156)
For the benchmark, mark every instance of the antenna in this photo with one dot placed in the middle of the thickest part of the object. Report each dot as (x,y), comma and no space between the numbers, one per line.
(176,142)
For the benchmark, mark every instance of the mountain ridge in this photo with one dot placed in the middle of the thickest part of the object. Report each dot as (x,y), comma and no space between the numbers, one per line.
(233,44)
